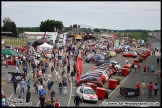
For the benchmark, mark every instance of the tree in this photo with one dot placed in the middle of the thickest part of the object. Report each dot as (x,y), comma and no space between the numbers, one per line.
(49,25)
(9,25)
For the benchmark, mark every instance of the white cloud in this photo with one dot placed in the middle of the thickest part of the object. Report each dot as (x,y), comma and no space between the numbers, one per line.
(111,15)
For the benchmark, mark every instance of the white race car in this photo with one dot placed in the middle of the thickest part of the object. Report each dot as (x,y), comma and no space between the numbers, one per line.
(116,64)
(87,94)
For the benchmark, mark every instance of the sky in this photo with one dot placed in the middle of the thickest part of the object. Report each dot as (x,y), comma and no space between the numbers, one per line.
(108,15)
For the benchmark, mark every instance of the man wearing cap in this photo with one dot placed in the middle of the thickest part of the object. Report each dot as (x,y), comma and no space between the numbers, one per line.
(22,85)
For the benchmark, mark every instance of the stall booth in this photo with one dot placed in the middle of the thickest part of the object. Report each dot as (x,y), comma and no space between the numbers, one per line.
(41,41)
(89,36)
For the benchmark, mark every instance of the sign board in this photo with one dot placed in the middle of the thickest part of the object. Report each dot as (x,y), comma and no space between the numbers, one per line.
(129,92)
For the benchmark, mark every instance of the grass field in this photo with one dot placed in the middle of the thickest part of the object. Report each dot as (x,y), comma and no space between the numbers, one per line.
(13,42)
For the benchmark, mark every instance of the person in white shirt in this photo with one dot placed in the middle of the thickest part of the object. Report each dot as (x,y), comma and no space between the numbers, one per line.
(126,61)
(17,69)
(40,87)
(143,87)
(57,74)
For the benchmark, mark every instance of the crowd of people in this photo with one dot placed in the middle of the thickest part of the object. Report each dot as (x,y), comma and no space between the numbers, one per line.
(61,61)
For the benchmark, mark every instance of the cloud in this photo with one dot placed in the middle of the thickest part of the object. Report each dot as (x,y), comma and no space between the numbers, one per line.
(111,15)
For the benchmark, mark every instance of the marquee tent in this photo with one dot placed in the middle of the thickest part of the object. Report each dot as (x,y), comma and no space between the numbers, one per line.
(45,45)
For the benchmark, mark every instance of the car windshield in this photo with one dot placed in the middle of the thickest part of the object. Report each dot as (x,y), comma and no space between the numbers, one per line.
(88,91)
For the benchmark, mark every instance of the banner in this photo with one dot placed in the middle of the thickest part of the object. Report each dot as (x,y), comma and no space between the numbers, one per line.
(64,39)
(18,76)
(129,92)
(116,43)
(78,68)
(54,36)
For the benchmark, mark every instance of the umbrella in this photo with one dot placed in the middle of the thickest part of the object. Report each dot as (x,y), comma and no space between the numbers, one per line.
(8,52)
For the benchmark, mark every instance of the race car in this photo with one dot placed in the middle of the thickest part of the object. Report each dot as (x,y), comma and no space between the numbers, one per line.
(116,64)
(94,58)
(89,79)
(87,94)
(130,54)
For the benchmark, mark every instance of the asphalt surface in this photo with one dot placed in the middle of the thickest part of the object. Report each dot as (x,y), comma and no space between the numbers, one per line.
(68,100)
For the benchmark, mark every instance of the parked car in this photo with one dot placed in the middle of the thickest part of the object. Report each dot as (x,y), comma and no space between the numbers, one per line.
(116,64)
(111,53)
(110,67)
(8,47)
(100,62)
(97,73)
(94,58)
(87,94)
(100,71)
(108,70)
(103,79)
(130,54)
(88,79)
(106,55)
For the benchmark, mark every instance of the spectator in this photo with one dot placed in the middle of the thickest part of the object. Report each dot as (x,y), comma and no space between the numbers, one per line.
(57,74)
(137,86)
(49,85)
(57,104)
(15,85)
(77,100)
(148,70)
(143,87)
(52,94)
(28,84)
(144,69)
(72,75)
(152,69)
(60,87)
(42,99)
(64,88)
(42,92)
(25,69)
(22,85)
(28,96)
(150,88)
(156,88)
(135,67)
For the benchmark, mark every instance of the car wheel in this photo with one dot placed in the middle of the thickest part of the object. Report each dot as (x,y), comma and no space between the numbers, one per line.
(95,102)
(124,55)
(134,57)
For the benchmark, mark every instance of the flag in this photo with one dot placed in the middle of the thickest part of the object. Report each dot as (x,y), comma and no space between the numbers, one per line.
(54,29)
(45,35)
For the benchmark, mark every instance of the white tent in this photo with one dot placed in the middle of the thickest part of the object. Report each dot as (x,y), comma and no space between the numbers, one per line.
(45,45)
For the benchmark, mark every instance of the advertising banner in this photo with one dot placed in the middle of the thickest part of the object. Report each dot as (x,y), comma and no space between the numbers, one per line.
(116,43)
(17,76)
(129,92)
(78,68)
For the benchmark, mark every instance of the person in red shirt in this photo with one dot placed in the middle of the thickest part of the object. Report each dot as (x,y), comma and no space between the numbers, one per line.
(144,69)
(150,88)
(139,66)
(137,86)
(57,104)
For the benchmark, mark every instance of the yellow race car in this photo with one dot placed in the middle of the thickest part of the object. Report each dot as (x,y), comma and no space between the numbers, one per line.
(111,53)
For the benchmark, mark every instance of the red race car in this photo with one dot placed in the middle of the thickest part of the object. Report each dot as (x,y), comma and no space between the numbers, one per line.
(97,74)
(130,54)
(89,79)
